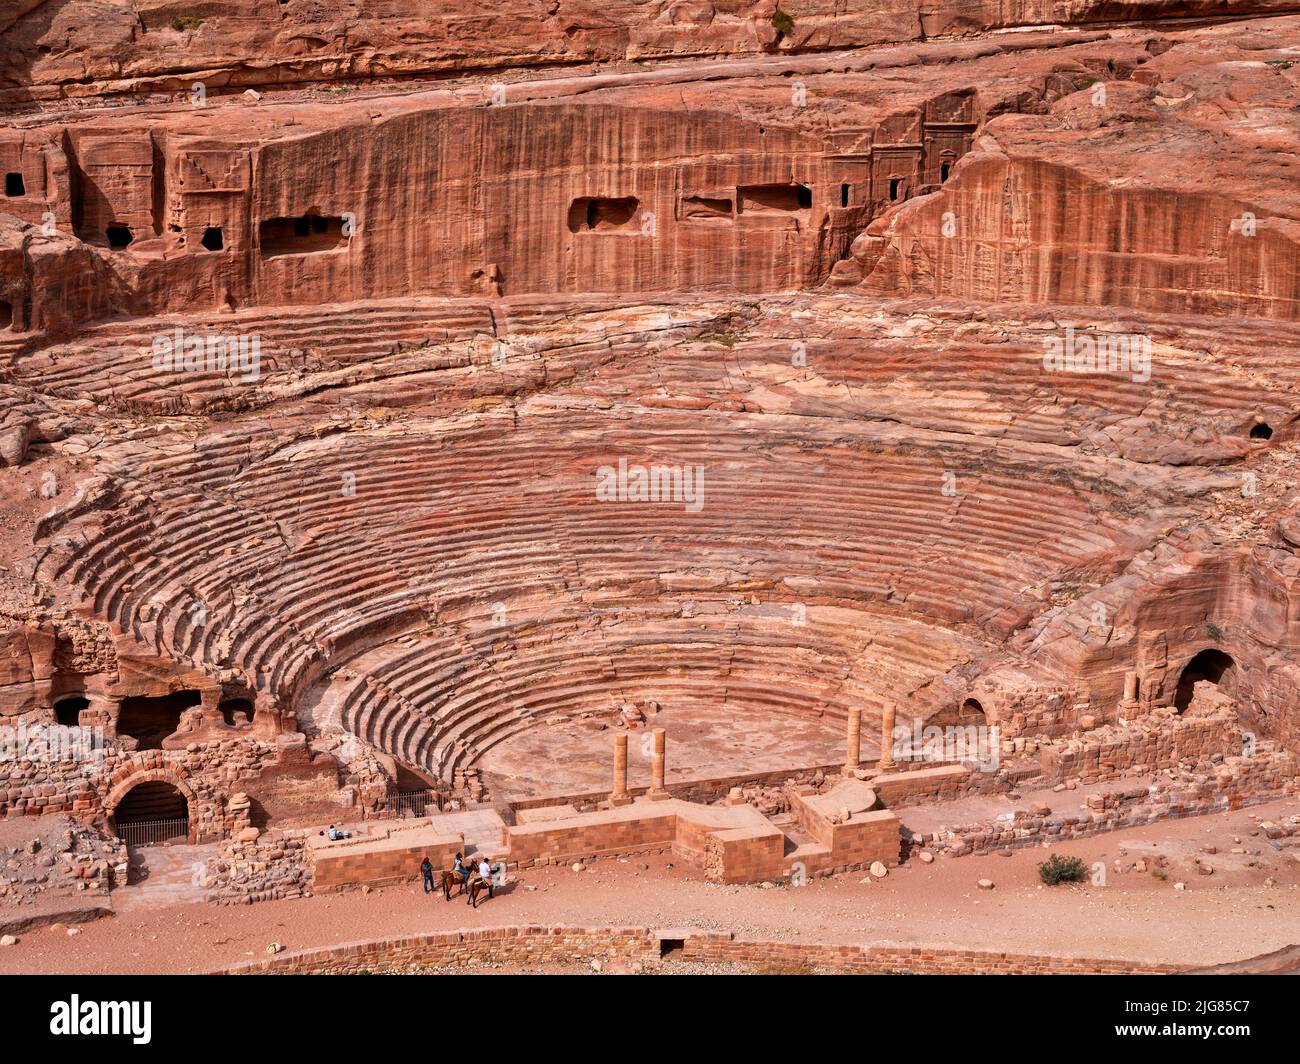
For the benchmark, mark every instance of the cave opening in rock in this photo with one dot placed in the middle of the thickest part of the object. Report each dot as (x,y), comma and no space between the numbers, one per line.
(151,720)
(706,208)
(230,706)
(213,239)
(602,213)
(972,712)
(303,235)
(1209,665)
(844,195)
(895,187)
(774,199)
(1262,431)
(944,170)
(6,315)
(152,812)
(67,711)
(119,236)
(14,185)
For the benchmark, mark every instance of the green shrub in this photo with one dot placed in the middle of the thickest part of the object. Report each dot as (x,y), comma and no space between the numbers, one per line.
(1057,869)
(186,22)
(782,22)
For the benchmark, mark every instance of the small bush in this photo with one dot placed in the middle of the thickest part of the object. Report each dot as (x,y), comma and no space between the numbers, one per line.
(782,22)
(1057,869)
(186,22)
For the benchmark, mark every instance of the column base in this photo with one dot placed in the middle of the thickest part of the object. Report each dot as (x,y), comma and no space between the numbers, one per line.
(657,795)
(616,800)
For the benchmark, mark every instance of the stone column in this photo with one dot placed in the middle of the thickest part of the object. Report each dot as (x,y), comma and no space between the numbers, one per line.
(1130,700)
(853,752)
(887,738)
(619,795)
(657,788)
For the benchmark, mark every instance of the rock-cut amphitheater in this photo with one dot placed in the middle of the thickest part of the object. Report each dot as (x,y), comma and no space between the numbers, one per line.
(567,431)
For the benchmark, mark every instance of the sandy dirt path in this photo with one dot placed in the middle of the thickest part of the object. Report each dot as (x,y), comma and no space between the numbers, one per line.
(1227,915)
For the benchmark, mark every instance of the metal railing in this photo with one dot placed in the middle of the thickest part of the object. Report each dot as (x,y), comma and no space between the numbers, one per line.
(154,832)
(410,804)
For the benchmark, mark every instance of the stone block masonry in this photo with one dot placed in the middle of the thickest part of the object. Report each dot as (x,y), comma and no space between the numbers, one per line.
(390,857)
(535,946)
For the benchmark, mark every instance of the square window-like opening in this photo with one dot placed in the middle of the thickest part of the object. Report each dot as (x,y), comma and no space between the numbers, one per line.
(603,214)
(14,185)
(774,199)
(212,238)
(302,235)
(707,208)
(670,946)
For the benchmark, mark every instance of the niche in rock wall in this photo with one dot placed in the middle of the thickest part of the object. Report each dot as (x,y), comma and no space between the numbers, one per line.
(119,237)
(15,186)
(707,209)
(213,239)
(1261,431)
(598,214)
(6,315)
(305,235)
(151,720)
(774,199)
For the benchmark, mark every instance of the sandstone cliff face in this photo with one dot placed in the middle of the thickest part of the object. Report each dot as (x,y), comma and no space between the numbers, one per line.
(817,292)
(88,47)
(1027,220)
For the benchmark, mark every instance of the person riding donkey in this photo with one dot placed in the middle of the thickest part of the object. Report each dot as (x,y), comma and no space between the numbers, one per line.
(462,871)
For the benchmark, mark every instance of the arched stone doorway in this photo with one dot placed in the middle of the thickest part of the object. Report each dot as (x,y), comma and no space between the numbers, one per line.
(229,707)
(151,809)
(67,711)
(1210,664)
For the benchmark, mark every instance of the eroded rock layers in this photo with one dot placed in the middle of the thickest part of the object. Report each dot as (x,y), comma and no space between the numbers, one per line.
(917,375)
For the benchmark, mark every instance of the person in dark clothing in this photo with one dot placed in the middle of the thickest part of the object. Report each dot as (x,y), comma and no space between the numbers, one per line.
(426,870)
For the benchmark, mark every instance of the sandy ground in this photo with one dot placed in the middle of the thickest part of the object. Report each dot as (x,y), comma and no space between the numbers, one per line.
(1228,915)
(571,757)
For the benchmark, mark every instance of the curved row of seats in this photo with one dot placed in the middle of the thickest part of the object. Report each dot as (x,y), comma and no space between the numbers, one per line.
(294,549)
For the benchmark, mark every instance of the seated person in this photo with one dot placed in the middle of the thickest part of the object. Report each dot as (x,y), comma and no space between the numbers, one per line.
(461,870)
(335,834)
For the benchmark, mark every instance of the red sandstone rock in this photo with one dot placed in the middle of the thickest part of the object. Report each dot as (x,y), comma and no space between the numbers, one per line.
(370,552)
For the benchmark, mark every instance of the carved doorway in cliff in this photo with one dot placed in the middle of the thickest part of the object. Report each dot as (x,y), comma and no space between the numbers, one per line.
(1210,664)
(152,813)
(67,711)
